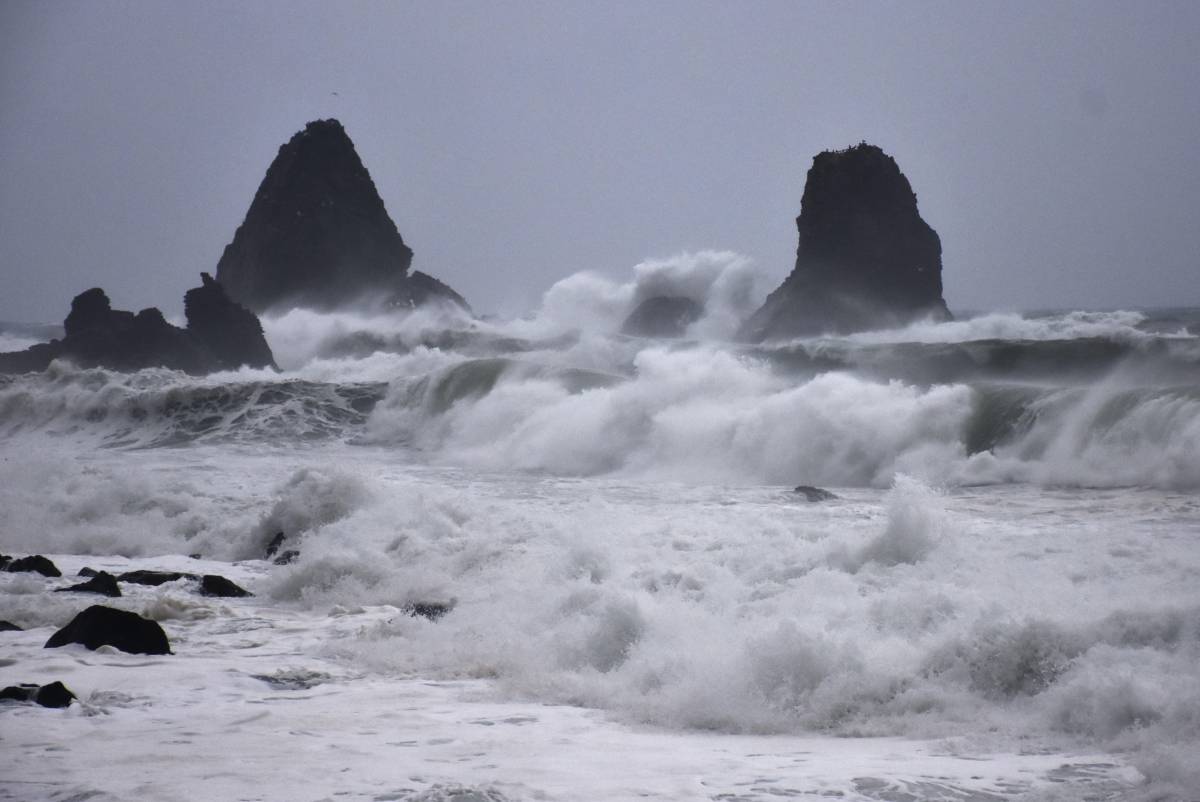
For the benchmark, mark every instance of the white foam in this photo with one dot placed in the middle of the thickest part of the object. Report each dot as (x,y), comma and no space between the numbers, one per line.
(1117,325)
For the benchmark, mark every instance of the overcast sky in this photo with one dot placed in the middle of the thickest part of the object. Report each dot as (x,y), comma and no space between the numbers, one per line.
(1055,147)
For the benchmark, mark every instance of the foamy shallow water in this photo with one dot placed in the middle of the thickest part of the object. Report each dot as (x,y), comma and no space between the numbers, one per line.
(244,710)
(610,639)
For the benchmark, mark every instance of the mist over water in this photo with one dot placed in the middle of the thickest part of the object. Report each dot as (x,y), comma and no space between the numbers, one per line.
(609,520)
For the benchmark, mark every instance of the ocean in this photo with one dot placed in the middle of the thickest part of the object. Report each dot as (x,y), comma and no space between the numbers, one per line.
(540,560)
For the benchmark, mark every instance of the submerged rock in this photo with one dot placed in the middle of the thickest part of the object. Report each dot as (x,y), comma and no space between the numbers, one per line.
(286,557)
(53,695)
(317,235)
(103,583)
(814,494)
(866,259)
(221,335)
(273,546)
(430,610)
(105,626)
(153,578)
(662,316)
(35,563)
(214,585)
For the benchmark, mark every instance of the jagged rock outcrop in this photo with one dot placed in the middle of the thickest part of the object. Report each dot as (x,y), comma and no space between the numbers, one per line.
(662,316)
(317,235)
(230,331)
(866,259)
(220,335)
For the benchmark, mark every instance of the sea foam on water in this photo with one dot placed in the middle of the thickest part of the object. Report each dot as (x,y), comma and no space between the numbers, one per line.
(548,513)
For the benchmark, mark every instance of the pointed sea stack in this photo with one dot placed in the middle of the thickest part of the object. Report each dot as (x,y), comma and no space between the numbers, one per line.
(866,259)
(317,235)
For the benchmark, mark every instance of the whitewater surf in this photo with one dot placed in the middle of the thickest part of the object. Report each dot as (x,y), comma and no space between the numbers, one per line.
(1000,603)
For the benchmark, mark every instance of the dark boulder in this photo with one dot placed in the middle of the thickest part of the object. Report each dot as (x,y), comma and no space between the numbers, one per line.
(35,563)
(105,626)
(9,626)
(317,235)
(53,695)
(18,693)
(662,316)
(87,572)
(103,583)
(220,336)
(153,578)
(814,494)
(214,585)
(866,259)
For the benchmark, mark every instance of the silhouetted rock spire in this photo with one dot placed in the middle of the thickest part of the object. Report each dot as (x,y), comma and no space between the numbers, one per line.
(866,259)
(317,234)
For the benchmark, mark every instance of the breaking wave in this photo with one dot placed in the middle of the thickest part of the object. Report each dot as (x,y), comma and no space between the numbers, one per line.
(1077,398)
(696,414)
(164,408)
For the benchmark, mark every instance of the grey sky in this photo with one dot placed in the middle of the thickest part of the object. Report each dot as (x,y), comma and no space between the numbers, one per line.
(1052,145)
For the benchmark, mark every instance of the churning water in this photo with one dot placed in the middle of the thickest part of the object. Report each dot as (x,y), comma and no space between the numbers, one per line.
(1002,603)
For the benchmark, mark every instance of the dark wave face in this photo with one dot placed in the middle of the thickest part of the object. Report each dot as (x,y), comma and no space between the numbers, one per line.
(160,408)
(1058,361)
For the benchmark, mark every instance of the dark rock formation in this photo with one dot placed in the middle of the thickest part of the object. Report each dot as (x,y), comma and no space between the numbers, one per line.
(104,626)
(214,585)
(229,331)
(317,235)
(814,494)
(87,572)
(33,564)
(662,316)
(103,583)
(153,578)
(53,695)
(866,259)
(220,335)
(9,626)
(276,542)
(286,557)
(431,610)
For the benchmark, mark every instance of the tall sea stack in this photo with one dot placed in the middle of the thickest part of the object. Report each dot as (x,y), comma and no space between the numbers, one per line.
(317,235)
(866,259)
